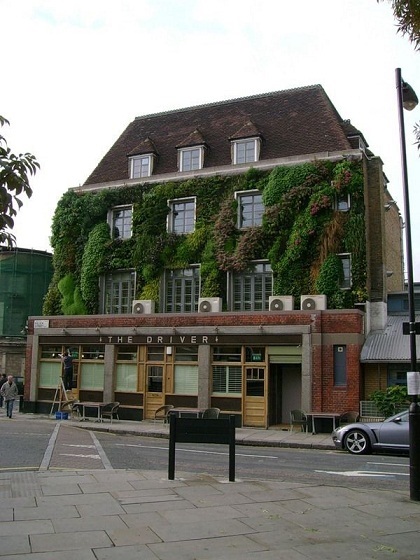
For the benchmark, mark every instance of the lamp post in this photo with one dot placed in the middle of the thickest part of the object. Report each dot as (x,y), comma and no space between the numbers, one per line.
(407,99)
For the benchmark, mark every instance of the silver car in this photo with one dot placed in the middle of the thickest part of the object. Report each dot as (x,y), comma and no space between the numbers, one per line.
(360,438)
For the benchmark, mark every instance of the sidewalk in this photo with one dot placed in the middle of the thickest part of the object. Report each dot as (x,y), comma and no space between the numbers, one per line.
(134,514)
(244,436)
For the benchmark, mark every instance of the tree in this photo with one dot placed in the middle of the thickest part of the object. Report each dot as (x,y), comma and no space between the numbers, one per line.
(407,14)
(14,180)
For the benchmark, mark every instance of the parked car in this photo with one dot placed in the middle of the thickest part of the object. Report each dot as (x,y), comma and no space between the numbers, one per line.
(360,438)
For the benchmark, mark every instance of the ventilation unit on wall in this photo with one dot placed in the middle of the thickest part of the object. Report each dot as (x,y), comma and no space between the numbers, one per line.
(210,305)
(281,303)
(313,303)
(143,306)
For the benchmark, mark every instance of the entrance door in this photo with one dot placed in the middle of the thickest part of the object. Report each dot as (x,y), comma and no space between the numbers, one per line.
(154,390)
(275,392)
(254,402)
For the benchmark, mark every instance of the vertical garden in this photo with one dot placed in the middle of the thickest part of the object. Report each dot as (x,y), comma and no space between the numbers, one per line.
(301,235)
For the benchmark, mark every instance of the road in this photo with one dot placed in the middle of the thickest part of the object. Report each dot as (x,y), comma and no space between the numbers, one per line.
(44,445)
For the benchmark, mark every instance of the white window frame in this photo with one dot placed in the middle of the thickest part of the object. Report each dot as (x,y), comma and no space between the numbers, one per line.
(112,219)
(239,143)
(342,203)
(181,290)
(171,225)
(347,282)
(141,166)
(182,152)
(256,219)
(246,282)
(118,289)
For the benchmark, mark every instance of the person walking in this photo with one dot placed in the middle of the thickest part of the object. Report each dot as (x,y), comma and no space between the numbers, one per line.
(9,392)
(3,380)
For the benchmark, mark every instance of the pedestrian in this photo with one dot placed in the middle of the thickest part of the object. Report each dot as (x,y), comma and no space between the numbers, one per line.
(68,370)
(9,392)
(3,380)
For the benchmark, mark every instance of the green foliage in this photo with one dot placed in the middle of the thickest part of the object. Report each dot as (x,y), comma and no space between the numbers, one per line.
(15,172)
(92,265)
(72,303)
(330,276)
(300,235)
(391,400)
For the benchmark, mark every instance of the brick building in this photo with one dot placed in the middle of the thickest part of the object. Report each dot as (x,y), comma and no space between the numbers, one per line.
(233,255)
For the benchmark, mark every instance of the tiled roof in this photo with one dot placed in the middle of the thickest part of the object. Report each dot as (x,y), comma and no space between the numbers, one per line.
(389,344)
(291,122)
(195,138)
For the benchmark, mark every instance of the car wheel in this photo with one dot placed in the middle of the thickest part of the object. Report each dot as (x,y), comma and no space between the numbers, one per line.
(357,442)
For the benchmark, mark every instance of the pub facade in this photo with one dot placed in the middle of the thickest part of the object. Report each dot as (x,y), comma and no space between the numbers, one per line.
(232,255)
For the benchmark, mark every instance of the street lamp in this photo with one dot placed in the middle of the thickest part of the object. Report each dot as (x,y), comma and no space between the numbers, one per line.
(407,99)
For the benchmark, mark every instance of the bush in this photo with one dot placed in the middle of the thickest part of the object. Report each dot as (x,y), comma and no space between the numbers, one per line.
(390,400)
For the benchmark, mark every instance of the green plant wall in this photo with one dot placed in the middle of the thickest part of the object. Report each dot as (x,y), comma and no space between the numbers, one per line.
(301,235)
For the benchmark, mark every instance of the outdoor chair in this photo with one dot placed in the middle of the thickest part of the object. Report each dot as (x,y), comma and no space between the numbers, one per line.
(162,413)
(211,413)
(349,417)
(110,410)
(298,418)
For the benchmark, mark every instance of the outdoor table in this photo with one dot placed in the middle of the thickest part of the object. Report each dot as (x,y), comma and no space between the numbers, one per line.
(334,416)
(83,405)
(187,412)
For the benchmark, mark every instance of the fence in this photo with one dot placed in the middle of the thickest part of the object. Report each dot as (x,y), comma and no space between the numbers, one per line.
(369,411)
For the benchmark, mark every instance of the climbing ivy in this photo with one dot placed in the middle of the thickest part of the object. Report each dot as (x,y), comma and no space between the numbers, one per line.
(301,234)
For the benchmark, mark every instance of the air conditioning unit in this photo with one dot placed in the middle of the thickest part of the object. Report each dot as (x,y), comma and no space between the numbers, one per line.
(143,306)
(209,305)
(313,303)
(281,303)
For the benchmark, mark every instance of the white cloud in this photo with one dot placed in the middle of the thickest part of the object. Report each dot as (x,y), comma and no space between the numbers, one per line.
(77,73)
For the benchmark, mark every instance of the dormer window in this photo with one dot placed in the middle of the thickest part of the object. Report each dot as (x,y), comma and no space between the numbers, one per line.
(141,166)
(191,159)
(245,151)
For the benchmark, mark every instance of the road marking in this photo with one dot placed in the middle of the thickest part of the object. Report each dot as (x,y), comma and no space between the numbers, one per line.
(196,451)
(389,464)
(364,473)
(77,445)
(80,455)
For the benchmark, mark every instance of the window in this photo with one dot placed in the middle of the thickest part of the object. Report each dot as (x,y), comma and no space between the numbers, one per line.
(140,166)
(154,379)
(121,221)
(340,368)
(346,262)
(186,379)
(255,382)
(250,209)
(227,379)
(245,151)
(227,354)
(182,290)
(119,292)
(181,218)
(252,288)
(190,159)
(342,203)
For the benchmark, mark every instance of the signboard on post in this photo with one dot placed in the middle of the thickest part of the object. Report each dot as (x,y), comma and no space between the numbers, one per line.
(201,430)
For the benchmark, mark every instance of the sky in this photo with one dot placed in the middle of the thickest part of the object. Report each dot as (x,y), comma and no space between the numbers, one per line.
(76,73)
